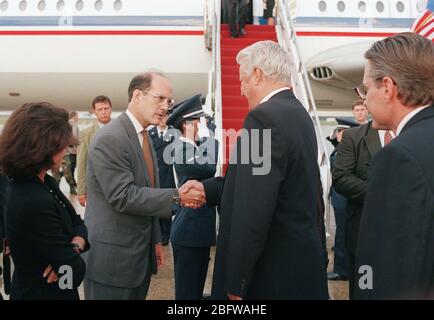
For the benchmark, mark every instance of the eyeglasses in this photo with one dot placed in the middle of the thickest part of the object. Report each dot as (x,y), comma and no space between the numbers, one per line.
(162,100)
(361,91)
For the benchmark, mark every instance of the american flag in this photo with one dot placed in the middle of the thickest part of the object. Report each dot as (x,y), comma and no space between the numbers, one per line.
(424,24)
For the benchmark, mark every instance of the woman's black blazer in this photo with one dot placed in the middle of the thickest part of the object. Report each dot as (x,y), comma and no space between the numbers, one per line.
(40,224)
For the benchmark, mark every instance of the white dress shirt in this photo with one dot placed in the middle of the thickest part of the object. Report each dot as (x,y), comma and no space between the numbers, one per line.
(381,134)
(161,131)
(272,93)
(100,125)
(408,117)
(137,126)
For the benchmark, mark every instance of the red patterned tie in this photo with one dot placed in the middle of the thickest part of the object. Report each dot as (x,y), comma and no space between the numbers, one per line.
(387,137)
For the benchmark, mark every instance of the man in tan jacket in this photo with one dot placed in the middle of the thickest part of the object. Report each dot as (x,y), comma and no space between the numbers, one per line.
(102,108)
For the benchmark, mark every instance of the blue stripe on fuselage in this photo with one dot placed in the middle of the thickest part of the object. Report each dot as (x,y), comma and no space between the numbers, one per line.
(197,21)
(355,22)
(100,21)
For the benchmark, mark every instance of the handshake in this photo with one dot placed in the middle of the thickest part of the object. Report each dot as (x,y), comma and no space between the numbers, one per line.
(192,194)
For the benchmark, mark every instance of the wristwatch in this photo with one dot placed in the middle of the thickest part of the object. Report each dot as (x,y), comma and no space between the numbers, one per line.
(76,247)
(176,200)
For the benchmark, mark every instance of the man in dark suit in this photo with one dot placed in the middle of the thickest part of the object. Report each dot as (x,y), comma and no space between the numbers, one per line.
(350,172)
(268,243)
(339,203)
(162,135)
(394,256)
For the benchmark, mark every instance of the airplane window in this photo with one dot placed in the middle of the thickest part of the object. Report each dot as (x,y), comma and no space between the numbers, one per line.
(98,5)
(60,5)
(341,6)
(380,6)
(79,5)
(421,5)
(41,5)
(4,5)
(400,6)
(23,5)
(362,6)
(117,5)
(322,5)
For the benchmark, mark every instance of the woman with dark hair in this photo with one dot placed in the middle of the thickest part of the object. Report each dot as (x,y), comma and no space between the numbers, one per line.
(45,234)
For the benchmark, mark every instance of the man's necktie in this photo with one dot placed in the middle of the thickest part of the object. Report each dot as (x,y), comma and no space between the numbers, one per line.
(387,137)
(147,154)
(161,135)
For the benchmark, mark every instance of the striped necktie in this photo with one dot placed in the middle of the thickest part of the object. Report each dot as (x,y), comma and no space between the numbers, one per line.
(147,154)
(387,137)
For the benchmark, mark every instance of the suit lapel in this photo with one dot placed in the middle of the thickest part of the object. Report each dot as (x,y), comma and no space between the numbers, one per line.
(132,134)
(372,140)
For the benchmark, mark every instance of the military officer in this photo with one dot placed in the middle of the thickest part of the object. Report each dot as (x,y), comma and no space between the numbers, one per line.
(193,230)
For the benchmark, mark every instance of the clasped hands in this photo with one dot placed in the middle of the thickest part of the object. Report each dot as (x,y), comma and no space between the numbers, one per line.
(192,194)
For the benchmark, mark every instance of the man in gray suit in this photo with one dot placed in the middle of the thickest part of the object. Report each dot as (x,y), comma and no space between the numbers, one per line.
(123,203)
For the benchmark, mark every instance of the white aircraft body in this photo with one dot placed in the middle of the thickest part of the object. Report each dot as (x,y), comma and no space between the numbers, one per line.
(69,51)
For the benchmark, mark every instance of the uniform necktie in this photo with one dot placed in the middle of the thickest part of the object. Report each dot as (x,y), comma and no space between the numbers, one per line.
(161,135)
(387,137)
(147,154)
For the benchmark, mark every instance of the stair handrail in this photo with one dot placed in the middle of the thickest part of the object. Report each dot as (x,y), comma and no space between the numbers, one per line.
(208,23)
(287,38)
(215,85)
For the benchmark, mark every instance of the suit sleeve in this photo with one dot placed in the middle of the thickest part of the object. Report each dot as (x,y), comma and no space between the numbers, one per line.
(213,188)
(255,204)
(395,227)
(156,230)
(80,230)
(49,239)
(111,164)
(345,180)
(82,164)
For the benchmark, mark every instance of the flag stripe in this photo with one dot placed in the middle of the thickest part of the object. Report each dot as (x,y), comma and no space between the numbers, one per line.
(430,34)
(424,25)
(421,20)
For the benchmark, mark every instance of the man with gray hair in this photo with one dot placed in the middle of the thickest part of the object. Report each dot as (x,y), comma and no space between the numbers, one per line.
(269,244)
(394,257)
